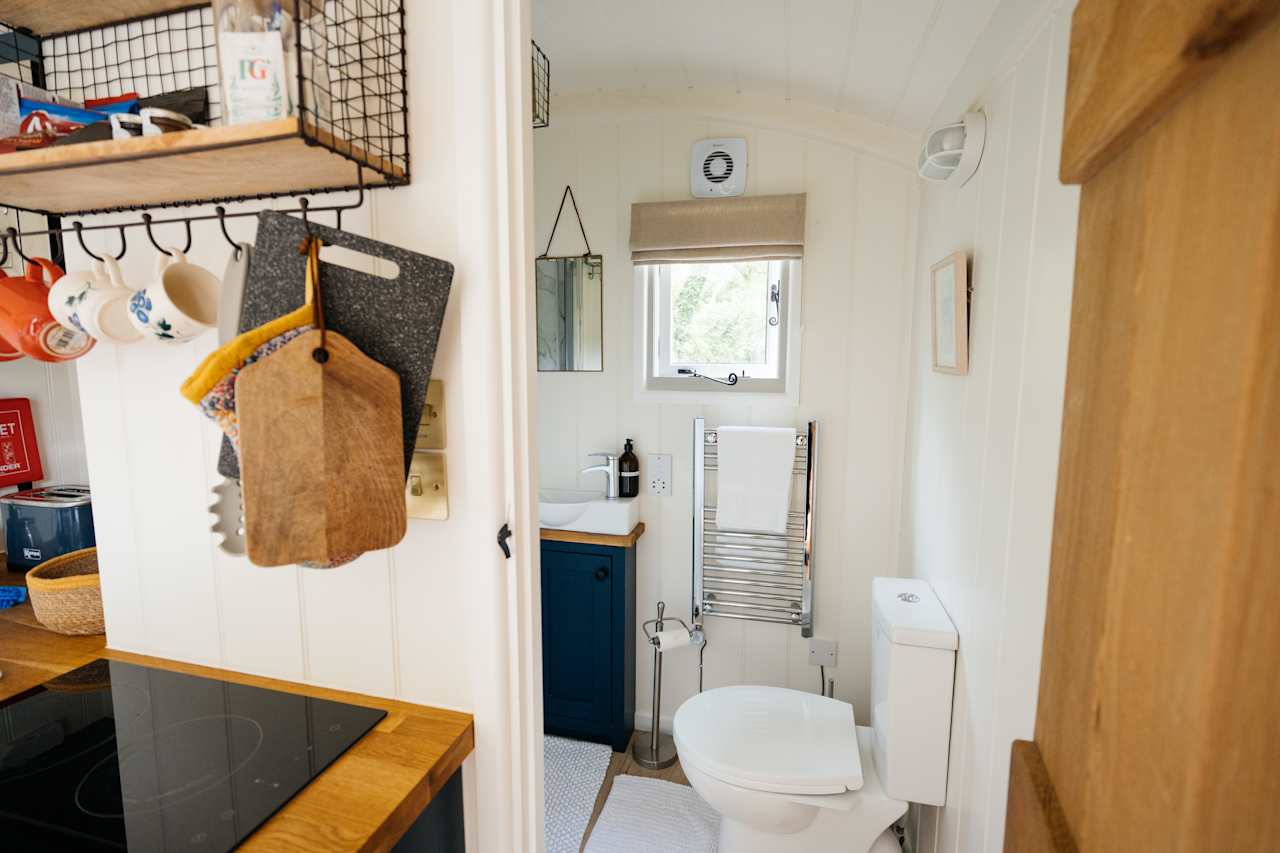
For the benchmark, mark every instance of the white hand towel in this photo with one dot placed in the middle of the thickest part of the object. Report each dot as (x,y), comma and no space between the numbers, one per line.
(754,485)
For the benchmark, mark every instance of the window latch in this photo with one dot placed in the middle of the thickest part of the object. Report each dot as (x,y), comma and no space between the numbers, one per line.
(732,379)
(775,297)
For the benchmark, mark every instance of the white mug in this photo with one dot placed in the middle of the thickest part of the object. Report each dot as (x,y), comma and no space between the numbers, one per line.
(95,302)
(68,294)
(179,305)
(104,314)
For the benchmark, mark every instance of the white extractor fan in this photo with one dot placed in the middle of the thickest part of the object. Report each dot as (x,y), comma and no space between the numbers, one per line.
(718,168)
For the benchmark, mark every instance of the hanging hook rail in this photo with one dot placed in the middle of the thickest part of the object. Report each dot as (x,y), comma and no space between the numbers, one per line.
(221,215)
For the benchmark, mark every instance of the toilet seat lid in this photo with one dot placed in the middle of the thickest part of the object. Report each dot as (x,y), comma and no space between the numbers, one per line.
(771,739)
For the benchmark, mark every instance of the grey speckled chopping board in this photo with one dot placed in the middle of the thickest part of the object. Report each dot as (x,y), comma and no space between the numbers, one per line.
(393,321)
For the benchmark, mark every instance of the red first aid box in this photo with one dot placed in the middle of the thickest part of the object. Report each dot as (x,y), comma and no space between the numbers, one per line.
(19,456)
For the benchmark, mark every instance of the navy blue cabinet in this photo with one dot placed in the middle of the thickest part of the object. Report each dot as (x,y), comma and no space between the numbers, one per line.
(588,641)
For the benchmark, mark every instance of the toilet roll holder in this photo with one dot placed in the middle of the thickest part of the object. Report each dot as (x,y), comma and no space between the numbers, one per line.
(659,750)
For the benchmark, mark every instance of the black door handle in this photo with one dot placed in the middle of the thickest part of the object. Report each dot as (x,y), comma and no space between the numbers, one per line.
(602,573)
(504,533)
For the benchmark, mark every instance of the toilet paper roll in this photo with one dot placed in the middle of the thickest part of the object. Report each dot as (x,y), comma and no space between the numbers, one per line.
(672,638)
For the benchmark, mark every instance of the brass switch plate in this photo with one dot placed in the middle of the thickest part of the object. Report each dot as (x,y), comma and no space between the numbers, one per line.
(426,494)
(431,434)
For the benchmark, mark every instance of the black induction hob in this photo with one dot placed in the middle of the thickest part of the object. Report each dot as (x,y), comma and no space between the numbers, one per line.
(114,756)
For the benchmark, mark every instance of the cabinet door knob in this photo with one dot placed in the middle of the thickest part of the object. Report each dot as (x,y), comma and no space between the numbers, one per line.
(602,573)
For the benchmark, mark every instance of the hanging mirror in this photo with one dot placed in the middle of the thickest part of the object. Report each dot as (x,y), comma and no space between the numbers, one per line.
(570,306)
(570,315)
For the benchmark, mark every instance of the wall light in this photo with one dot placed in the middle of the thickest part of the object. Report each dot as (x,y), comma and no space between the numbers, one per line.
(952,153)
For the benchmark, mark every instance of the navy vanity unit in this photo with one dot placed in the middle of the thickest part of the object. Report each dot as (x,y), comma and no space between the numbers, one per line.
(589,635)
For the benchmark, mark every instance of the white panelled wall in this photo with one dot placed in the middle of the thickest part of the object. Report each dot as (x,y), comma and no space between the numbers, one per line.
(618,149)
(152,460)
(983,449)
(426,621)
(55,407)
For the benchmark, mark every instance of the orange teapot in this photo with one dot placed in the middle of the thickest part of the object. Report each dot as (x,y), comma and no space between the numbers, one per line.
(27,327)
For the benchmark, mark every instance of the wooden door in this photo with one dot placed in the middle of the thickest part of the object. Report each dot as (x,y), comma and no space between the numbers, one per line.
(578,625)
(1158,723)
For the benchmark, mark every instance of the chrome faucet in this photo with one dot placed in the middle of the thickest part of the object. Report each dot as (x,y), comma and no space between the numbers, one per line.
(609,469)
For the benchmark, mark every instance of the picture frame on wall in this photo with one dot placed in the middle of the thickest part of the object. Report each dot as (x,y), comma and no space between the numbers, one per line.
(950,295)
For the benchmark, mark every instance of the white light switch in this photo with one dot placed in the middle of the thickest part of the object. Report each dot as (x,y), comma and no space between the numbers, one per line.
(659,474)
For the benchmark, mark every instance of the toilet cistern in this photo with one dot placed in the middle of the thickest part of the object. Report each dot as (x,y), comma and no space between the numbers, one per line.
(609,469)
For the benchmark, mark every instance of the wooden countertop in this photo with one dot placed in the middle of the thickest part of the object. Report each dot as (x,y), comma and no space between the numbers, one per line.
(365,800)
(551,534)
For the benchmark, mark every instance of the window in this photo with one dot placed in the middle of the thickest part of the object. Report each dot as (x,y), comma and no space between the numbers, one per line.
(717,319)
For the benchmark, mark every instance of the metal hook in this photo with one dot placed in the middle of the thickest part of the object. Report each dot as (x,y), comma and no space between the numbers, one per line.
(124,244)
(146,223)
(17,244)
(222,223)
(303,203)
(4,244)
(80,237)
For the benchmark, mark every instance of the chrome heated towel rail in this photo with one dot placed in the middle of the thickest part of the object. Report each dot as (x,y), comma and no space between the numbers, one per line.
(763,577)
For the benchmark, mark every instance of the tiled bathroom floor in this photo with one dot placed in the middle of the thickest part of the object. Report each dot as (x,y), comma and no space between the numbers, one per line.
(622,763)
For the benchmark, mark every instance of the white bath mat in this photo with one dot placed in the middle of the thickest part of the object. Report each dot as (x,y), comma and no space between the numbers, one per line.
(653,816)
(572,773)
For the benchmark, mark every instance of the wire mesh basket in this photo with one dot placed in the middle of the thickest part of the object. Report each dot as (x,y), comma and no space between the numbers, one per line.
(346,61)
(541,88)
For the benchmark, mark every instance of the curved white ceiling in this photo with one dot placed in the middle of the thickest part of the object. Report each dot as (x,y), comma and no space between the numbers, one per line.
(888,60)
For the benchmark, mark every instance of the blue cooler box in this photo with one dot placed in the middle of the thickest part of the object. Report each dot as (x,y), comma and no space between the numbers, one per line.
(40,524)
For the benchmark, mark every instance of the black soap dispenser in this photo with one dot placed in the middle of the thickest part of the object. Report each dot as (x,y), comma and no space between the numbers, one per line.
(628,472)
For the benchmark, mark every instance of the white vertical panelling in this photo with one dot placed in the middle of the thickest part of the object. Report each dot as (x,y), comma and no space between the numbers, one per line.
(349,626)
(889,37)
(55,408)
(889,59)
(392,623)
(856,307)
(941,59)
(982,449)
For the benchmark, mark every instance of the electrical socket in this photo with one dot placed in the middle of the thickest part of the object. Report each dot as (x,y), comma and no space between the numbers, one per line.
(659,474)
(822,652)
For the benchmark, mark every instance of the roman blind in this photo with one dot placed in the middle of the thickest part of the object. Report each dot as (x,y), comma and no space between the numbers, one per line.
(745,228)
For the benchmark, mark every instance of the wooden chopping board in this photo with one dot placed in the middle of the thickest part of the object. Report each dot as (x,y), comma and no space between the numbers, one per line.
(322,462)
(395,321)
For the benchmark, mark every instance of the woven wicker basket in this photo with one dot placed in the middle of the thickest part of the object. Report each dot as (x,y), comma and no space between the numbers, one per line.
(66,594)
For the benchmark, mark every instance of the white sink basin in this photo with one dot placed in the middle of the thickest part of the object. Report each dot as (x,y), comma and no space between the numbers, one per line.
(587,512)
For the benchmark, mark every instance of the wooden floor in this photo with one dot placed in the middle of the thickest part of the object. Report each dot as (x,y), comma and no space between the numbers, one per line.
(622,763)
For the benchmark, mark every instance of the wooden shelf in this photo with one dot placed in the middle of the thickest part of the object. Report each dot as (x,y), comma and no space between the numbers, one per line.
(220,163)
(43,17)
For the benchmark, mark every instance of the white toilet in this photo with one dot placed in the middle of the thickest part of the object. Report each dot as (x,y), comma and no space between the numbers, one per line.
(789,772)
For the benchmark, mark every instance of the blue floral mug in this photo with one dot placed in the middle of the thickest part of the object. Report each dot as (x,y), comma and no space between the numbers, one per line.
(180,305)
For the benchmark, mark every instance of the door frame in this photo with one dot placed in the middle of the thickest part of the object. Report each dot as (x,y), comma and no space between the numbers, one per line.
(493,150)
